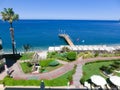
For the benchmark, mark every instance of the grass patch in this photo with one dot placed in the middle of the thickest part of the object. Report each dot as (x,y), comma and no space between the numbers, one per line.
(1,81)
(60,81)
(25,67)
(45,63)
(93,68)
(27,56)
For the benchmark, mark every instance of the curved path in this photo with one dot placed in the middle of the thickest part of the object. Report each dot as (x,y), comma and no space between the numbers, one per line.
(18,73)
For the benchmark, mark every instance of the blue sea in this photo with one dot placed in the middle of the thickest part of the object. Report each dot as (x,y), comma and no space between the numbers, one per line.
(41,34)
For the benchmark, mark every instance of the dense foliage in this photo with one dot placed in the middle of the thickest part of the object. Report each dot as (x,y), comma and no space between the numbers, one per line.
(71,55)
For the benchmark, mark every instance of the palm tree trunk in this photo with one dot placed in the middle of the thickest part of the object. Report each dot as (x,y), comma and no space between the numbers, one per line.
(12,37)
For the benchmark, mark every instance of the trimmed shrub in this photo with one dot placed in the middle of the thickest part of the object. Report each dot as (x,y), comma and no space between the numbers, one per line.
(96,54)
(54,63)
(71,55)
(52,54)
(29,64)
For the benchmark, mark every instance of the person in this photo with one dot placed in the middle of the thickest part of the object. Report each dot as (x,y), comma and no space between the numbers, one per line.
(42,85)
(68,84)
(7,70)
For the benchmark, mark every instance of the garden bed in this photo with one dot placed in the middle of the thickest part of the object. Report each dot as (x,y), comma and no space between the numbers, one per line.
(60,81)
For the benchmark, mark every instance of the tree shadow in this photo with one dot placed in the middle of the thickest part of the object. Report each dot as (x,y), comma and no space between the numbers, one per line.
(111,84)
(11,59)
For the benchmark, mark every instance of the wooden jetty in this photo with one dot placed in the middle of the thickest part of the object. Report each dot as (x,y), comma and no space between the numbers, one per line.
(67,38)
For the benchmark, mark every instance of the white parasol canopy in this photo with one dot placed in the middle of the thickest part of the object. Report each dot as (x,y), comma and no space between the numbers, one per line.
(51,49)
(98,80)
(115,80)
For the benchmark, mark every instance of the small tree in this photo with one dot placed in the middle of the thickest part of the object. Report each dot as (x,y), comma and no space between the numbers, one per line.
(65,49)
(10,16)
(26,47)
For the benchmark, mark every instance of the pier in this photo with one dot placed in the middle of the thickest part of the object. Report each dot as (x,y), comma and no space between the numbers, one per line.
(67,38)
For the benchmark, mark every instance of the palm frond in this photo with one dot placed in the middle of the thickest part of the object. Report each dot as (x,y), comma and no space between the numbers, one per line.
(9,15)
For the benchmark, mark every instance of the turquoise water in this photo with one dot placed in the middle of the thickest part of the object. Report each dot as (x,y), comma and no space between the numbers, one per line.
(41,34)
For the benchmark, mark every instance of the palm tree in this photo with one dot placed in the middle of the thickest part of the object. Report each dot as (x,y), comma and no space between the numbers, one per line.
(26,47)
(10,16)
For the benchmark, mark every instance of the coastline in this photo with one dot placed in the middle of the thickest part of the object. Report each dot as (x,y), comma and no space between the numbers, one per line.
(39,49)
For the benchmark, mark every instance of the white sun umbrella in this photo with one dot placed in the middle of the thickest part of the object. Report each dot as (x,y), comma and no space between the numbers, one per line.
(90,48)
(98,80)
(51,49)
(95,48)
(101,48)
(115,80)
(85,48)
(80,48)
(57,48)
(74,49)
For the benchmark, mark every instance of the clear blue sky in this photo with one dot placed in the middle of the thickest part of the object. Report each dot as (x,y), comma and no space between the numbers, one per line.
(64,9)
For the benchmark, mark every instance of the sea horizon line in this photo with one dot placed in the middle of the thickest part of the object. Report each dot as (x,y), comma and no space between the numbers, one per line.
(74,19)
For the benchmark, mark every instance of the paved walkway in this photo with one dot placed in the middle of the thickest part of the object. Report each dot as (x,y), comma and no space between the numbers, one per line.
(2,75)
(18,74)
(77,75)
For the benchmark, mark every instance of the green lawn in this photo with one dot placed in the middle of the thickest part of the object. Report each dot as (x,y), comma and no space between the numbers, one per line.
(1,81)
(60,81)
(93,69)
(27,56)
(25,67)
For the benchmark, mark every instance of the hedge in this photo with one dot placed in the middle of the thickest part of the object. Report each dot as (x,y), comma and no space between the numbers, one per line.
(54,63)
